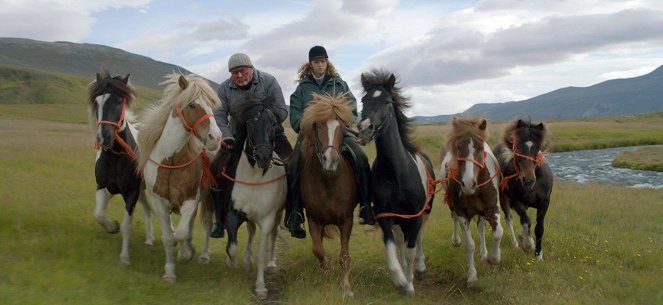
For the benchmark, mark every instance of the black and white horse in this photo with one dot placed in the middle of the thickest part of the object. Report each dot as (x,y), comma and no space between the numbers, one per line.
(527,181)
(109,103)
(400,177)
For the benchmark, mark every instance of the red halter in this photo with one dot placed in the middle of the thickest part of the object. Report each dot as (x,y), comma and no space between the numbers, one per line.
(538,161)
(118,125)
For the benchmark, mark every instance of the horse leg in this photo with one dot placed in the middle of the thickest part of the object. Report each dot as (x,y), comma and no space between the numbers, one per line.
(271,263)
(102,197)
(526,241)
(400,245)
(538,230)
(162,209)
(469,251)
(481,227)
(506,208)
(316,231)
(206,216)
(420,259)
(130,199)
(248,252)
(184,228)
(455,238)
(233,221)
(495,255)
(410,243)
(265,229)
(395,268)
(147,210)
(346,230)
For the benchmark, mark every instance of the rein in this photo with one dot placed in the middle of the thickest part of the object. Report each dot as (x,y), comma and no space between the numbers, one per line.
(207,180)
(538,161)
(430,190)
(118,125)
(225,175)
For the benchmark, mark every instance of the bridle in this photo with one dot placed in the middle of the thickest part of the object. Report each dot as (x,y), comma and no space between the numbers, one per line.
(119,124)
(375,131)
(319,149)
(538,161)
(191,128)
(271,145)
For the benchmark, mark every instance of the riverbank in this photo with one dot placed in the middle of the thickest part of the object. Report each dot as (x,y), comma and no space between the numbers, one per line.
(645,158)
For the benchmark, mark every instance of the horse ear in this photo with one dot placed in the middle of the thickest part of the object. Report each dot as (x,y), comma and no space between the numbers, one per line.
(483,124)
(183,82)
(392,80)
(98,77)
(520,123)
(126,79)
(540,126)
(364,81)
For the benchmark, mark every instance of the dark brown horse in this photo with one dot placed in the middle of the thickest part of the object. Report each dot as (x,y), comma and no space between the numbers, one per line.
(472,177)
(528,180)
(328,185)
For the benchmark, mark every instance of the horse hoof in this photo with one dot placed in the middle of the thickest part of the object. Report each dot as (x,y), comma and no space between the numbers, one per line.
(271,268)
(203,259)
(149,242)
(125,260)
(349,294)
(171,279)
(420,275)
(113,228)
(261,294)
(229,262)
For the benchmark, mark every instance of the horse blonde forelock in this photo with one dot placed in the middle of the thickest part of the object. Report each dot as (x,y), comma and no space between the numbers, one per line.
(156,115)
(322,109)
(463,128)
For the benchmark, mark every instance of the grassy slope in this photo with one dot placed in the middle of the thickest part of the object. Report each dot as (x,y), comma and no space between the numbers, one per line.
(602,246)
(645,158)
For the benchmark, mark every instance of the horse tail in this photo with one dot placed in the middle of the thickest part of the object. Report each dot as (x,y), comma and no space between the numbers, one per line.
(207,212)
(331,232)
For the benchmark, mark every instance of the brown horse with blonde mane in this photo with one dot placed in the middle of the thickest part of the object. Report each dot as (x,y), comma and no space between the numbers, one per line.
(328,185)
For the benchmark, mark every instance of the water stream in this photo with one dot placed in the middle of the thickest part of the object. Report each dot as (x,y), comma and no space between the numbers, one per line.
(596,166)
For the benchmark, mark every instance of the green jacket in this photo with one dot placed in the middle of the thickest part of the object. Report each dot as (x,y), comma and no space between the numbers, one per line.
(331,85)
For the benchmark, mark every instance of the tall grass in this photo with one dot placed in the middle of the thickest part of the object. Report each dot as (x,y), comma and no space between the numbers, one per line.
(602,246)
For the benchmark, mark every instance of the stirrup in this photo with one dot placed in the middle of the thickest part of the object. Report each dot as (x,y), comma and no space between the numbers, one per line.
(366,220)
(294,226)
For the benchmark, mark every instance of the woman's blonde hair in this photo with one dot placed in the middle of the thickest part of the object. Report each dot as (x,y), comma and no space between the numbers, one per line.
(306,69)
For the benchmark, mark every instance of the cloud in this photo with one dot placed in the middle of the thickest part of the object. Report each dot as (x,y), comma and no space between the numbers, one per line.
(54,20)
(451,54)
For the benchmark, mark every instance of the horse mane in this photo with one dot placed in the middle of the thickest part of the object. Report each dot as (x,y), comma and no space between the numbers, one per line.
(99,85)
(156,115)
(523,128)
(464,128)
(320,110)
(386,79)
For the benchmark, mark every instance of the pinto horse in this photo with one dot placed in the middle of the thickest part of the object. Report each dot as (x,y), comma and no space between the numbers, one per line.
(109,103)
(173,139)
(257,192)
(401,174)
(528,180)
(472,178)
(328,185)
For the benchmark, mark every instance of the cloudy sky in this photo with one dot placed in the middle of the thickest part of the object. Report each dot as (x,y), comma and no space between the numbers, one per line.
(448,55)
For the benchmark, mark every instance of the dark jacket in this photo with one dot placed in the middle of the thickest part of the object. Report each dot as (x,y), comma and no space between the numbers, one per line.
(331,85)
(263,85)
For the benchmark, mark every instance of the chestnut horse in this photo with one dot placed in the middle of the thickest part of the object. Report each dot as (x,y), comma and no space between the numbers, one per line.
(109,107)
(472,178)
(328,185)
(174,137)
(528,180)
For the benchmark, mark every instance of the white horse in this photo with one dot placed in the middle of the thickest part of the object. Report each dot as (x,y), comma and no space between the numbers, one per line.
(258,191)
(173,140)
(109,103)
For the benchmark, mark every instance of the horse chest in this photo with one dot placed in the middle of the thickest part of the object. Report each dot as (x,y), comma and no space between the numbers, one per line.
(252,196)
(116,172)
(178,184)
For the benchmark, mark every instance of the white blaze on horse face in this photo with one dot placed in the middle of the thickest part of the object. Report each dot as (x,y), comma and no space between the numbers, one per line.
(101,100)
(377,93)
(529,145)
(468,179)
(213,137)
(331,162)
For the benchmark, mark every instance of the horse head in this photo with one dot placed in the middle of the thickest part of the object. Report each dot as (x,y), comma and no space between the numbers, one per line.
(259,124)
(322,125)
(378,109)
(194,103)
(526,141)
(109,99)
(466,145)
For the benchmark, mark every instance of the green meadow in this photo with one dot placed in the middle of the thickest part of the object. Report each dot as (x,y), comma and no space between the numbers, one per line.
(602,244)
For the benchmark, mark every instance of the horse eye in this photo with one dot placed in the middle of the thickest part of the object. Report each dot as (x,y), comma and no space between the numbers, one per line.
(192,105)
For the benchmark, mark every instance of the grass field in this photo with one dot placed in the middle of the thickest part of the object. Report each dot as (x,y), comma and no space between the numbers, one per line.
(645,158)
(602,243)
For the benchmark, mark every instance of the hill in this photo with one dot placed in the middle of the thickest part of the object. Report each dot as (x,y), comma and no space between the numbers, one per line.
(642,94)
(84,60)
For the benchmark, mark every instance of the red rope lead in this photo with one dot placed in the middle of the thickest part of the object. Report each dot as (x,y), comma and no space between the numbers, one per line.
(223,173)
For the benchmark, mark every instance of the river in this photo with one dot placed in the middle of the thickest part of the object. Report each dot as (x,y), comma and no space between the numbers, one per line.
(584,166)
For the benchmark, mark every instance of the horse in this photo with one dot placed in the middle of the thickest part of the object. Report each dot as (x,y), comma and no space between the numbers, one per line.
(528,180)
(109,106)
(400,176)
(328,185)
(471,176)
(257,192)
(175,135)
